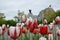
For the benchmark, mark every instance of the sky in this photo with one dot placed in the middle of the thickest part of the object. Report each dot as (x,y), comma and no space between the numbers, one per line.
(10,7)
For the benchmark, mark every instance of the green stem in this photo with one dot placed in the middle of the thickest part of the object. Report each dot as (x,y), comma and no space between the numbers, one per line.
(0,37)
(3,37)
(36,37)
(58,37)
(26,36)
(21,37)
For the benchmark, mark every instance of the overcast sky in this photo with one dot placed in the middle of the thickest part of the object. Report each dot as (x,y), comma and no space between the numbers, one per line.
(10,7)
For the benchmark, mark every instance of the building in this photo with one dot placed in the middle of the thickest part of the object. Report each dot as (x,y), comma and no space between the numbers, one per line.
(45,12)
(19,16)
(30,14)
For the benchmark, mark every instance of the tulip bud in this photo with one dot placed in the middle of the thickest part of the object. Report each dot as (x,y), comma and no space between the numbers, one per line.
(45,21)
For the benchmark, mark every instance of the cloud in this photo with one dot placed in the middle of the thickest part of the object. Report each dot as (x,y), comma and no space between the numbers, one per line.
(11,7)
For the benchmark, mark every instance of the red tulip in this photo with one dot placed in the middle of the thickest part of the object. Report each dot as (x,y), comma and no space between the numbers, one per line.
(35,31)
(21,30)
(14,32)
(24,30)
(31,29)
(35,24)
(43,30)
(28,24)
(23,18)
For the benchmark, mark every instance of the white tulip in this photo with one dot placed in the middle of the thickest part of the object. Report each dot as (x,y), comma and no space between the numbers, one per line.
(11,30)
(42,38)
(3,26)
(57,28)
(58,32)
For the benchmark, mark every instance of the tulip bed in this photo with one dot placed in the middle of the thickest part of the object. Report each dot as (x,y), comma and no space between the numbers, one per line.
(30,30)
(26,36)
(36,38)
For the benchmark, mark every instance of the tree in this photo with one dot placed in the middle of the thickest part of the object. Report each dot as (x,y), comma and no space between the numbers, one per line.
(58,13)
(2,16)
(11,22)
(50,15)
(39,21)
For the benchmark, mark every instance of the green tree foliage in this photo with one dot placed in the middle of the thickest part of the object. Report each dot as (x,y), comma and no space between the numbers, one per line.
(2,22)
(10,22)
(58,13)
(50,15)
(39,21)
